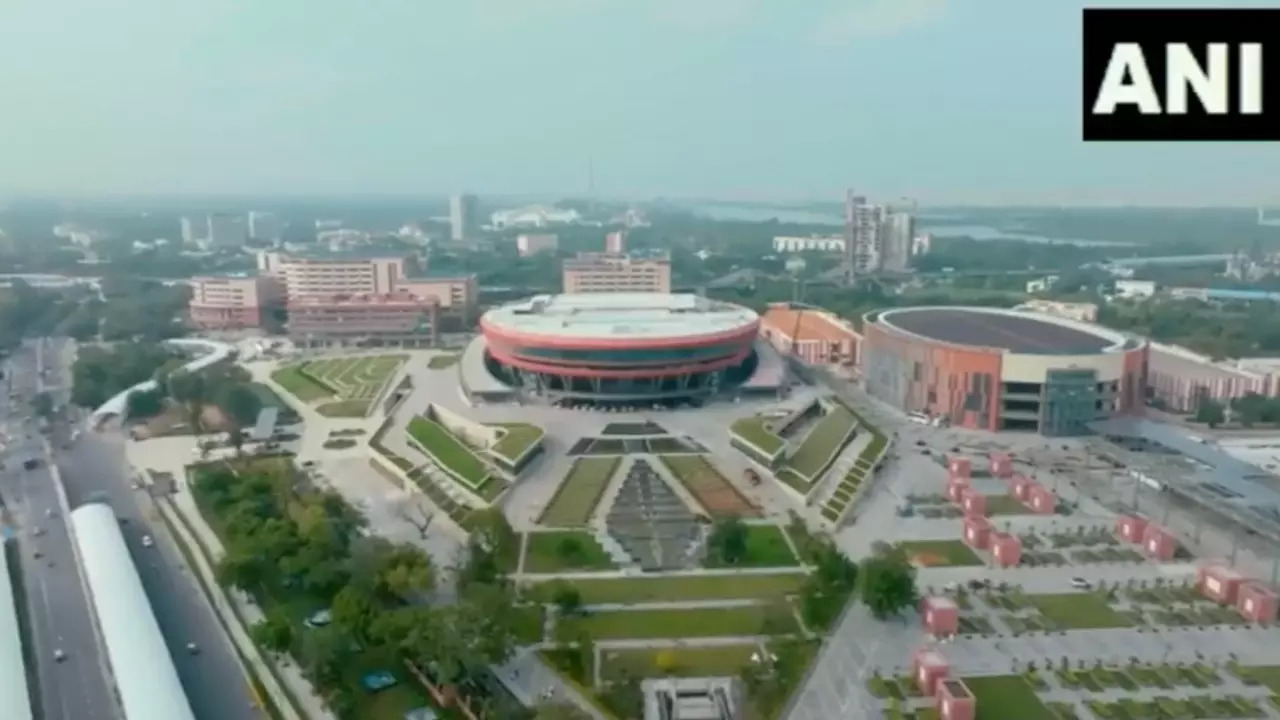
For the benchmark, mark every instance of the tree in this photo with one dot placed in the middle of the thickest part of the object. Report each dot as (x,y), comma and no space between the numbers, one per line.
(354,609)
(240,403)
(567,599)
(403,574)
(729,540)
(570,551)
(887,584)
(43,404)
(274,632)
(324,654)
(1210,412)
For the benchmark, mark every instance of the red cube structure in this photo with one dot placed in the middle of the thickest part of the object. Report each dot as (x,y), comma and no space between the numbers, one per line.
(1131,527)
(1158,542)
(956,488)
(955,702)
(928,667)
(1041,499)
(1257,602)
(973,502)
(977,532)
(1006,548)
(1001,465)
(941,615)
(959,466)
(1020,487)
(1220,583)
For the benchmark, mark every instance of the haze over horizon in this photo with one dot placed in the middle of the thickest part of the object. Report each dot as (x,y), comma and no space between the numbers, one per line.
(946,101)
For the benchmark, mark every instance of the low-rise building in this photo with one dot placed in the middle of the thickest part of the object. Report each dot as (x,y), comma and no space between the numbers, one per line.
(814,336)
(1135,289)
(1080,312)
(1178,378)
(811,243)
(457,296)
(224,302)
(528,245)
(399,318)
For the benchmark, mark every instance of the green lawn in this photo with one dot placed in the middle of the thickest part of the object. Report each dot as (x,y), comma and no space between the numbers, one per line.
(1268,675)
(755,430)
(823,442)
(1006,697)
(530,623)
(940,553)
(718,661)
(1079,611)
(516,439)
(344,409)
(766,547)
(631,590)
(1006,505)
(579,492)
(440,362)
(564,551)
(711,622)
(448,451)
(306,389)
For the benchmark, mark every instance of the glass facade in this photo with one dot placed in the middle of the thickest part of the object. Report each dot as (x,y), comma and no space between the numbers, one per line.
(624,357)
(1070,402)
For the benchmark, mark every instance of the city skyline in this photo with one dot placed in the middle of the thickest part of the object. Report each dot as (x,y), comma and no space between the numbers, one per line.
(947,102)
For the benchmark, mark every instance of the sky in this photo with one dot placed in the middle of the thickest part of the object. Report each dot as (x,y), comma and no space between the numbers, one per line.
(945,101)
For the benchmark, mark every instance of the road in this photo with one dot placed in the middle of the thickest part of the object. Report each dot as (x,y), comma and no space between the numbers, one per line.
(93,468)
(58,609)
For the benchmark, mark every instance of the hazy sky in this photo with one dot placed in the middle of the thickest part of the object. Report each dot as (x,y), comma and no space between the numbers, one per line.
(943,100)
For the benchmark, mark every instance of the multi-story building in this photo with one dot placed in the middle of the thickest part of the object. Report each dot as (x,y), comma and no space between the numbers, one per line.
(921,244)
(862,235)
(615,243)
(265,227)
(225,230)
(812,243)
(897,231)
(1178,379)
(462,217)
(456,296)
(534,216)
(231,301)
(605,273)
(190,231)
(334,273)
(528,245)
(398,318)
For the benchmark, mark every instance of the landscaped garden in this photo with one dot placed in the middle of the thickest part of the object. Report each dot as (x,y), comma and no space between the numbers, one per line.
(823,443)
(516,440)
(1079,611)
(741,621)
(940,553)
(579,493)
(678,588)
(554,551)
(449,452)
(341,386)
(862,468)
(709,487)
(755,430)
(737,544)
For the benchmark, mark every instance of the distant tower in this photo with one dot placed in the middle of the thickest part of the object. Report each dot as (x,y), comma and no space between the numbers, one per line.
(795,266)
(462,217)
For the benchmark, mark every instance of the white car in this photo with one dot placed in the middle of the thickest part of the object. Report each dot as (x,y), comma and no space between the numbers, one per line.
(59,655)
(1081,584)
(147,541)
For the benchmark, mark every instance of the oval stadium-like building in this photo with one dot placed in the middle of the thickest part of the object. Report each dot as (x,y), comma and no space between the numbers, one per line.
(620,347)
(995,369)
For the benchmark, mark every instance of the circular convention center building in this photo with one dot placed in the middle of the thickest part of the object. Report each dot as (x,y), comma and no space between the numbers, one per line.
(996,369)
(619,347)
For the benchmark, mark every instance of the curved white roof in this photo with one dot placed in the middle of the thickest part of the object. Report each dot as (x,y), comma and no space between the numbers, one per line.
(144,672)
(15,697)
(215,352)
(603,316)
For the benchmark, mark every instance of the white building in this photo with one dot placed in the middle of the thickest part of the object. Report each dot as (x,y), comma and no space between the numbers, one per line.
(190,232)
(897,230)
(921,244)
(1080,312)
(265,227)
(462,217)
(534,216)
(1135,288)
(1040,285)
(528,245)
(225,230)
(812,243)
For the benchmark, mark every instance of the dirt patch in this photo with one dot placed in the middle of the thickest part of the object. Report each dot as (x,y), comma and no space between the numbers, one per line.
(927,559)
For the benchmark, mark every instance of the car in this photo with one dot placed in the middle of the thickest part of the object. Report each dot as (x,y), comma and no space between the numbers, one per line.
(59,655)
(1081,584)
(37,532)
(38,554)
(147,541)
(193,648)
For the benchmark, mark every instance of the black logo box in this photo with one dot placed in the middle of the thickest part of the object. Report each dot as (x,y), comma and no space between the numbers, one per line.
(1153,29)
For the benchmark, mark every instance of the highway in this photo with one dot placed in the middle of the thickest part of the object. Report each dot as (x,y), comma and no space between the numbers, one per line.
(93,468)
(58,610)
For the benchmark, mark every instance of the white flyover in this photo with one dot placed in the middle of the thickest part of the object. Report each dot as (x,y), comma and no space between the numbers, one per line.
(15,696)
(144,672)
(213,352)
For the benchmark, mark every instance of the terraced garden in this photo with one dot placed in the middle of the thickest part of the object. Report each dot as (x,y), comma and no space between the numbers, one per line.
(823,443)
(516,440)
(449,452)
(844,493)
(709,487)
(341,386)
(579,493)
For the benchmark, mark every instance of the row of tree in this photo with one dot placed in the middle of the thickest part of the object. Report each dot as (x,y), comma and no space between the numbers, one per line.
(293,547)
